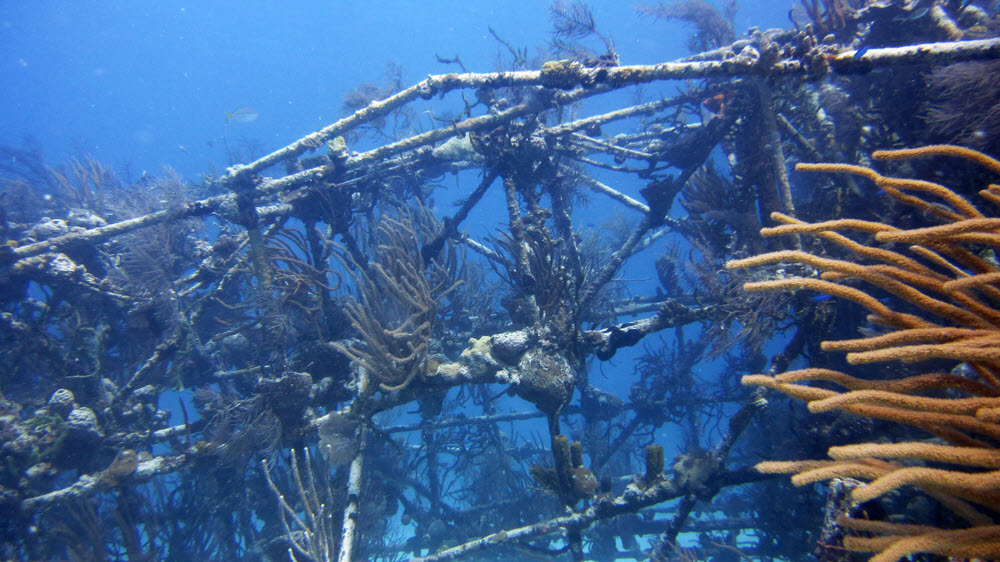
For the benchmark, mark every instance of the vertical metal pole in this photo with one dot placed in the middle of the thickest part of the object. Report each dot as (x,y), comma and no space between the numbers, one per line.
(354,479)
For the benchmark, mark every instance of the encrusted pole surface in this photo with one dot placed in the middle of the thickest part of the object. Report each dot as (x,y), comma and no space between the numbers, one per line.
(351,512)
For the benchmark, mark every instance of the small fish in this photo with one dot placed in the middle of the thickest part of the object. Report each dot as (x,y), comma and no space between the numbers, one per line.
(917,14)
(245,114)
(715,104)
(872,331)
(821,298)
(917,10)
(861,51)
(964,370)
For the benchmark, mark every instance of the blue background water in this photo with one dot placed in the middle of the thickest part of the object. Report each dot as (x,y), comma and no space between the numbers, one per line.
(144,84)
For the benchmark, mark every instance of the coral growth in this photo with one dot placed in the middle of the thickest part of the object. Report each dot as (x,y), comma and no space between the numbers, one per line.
(411,333)
(712,28)
(947,278)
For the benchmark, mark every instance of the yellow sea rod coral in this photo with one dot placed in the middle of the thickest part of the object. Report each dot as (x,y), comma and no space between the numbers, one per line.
(950,273)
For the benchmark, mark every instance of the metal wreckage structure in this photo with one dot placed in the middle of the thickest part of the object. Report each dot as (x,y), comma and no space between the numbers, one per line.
(296,314)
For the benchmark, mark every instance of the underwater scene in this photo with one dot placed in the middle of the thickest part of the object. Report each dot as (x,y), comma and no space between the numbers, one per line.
(708,280)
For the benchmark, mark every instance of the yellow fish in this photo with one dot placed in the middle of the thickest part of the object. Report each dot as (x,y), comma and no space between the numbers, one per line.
(245,114)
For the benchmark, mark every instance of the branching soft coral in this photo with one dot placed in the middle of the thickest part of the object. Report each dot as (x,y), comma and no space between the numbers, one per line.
(948,275)
(713,29)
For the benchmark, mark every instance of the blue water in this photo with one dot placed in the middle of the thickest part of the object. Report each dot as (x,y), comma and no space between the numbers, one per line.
(141,85)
